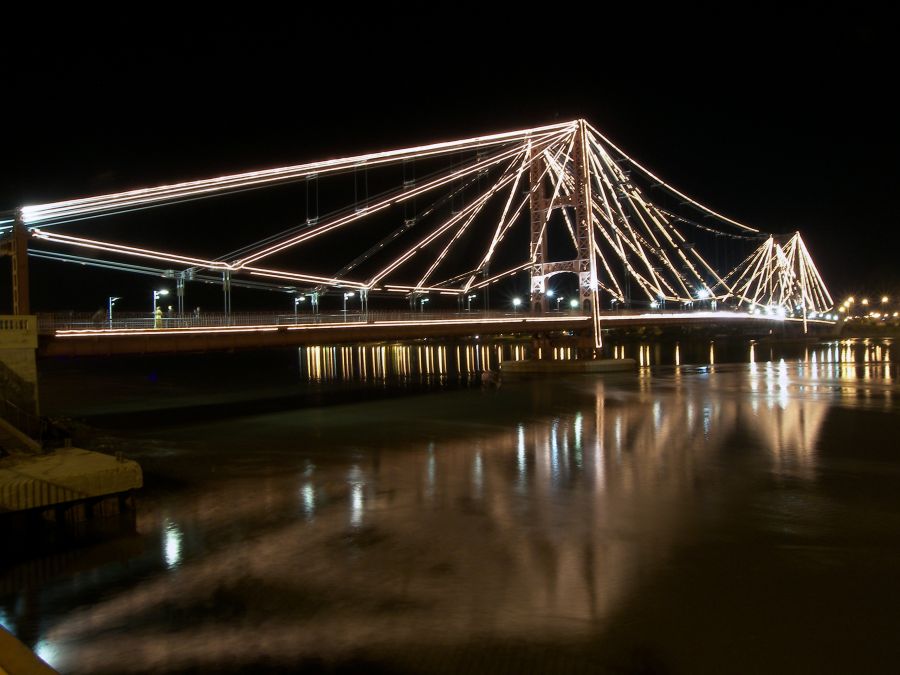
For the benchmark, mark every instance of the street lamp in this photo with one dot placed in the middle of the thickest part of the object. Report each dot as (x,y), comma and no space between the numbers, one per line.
(348,294)
(550,292)
(422,304)
(297,300)
(516,303)
(559,300)
(573,303)
(156,296)
(469,301)
(112,301)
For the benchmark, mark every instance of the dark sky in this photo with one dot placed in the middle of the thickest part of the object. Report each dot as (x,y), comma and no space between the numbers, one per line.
(781,119)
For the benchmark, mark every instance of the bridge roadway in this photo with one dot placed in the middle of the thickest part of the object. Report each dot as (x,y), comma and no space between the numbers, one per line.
(138,336)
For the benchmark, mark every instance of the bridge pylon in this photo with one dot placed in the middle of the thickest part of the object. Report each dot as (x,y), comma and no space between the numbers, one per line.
(16,247)
(539,217)
(577,166)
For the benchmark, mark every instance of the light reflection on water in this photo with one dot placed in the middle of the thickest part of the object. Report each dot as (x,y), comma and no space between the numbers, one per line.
(539,511)
(172,544)
(850,358)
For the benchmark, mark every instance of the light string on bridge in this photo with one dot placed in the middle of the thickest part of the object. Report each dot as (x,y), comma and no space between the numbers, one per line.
(630,237)
(662,183)
(33,215)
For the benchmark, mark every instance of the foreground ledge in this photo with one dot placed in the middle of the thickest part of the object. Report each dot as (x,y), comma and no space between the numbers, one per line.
(17,659)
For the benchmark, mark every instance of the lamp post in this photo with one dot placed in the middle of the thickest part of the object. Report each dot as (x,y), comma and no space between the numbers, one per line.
(559,300)
(702,295)
(112,301)
(573,303)
(469,301)
(348,294)
(156,296)
(516,302)
(422,304)
(297,300)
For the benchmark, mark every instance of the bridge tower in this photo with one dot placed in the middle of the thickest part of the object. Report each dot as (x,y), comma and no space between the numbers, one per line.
(542,206)
(17,248)
(538,249)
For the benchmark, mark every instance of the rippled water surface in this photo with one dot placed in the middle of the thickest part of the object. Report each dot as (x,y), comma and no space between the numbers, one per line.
(701,518)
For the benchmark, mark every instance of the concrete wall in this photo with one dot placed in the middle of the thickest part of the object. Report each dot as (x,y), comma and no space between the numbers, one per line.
(18,369)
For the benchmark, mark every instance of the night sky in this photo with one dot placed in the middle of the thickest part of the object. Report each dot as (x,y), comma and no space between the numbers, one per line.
(782,120)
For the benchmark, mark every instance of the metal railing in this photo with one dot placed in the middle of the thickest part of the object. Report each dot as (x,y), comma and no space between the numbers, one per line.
(51,322)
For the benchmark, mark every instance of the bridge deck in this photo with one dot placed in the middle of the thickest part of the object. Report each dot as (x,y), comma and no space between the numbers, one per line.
(196,338)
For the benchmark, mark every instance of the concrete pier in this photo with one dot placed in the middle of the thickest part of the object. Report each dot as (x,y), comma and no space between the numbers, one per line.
(67,483)
(67,476)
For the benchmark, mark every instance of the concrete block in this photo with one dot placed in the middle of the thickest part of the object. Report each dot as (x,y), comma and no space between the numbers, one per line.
(62,476)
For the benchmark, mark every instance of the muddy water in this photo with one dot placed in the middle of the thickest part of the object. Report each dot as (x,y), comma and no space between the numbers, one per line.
(705,517)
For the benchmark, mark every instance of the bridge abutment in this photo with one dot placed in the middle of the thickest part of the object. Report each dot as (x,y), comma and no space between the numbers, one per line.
(18,367)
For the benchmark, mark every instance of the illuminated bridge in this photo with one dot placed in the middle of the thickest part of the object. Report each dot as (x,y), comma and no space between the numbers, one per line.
(281,331)
(434,230)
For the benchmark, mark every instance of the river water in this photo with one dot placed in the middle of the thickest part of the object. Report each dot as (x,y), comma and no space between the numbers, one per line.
(383,509)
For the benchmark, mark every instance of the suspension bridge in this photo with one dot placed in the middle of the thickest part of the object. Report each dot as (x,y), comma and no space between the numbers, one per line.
(435,226)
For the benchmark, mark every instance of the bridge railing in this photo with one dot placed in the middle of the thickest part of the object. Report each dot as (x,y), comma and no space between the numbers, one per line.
(51,322)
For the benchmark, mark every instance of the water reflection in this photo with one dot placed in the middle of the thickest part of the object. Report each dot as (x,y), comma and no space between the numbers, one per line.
(171,544)
(535,511)
(539,519)
(48,653)
(433,361)
(308,496)
(356,479)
